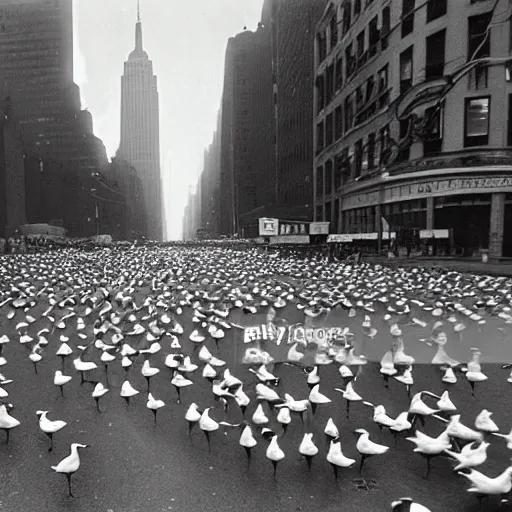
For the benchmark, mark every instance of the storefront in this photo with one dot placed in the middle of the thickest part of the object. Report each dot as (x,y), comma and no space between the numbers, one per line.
(473,203)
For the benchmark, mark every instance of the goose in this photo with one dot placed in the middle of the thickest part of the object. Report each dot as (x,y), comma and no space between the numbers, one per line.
(418,409)
(308,448)
(470,456)
(7,422)
(49,427)
(69,466)
(275,454)
(336,458)
(367,448)
(484,486)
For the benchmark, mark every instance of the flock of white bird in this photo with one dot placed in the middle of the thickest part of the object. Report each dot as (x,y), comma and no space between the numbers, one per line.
(124,333)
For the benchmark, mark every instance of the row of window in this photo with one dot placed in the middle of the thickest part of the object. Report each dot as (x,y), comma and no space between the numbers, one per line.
(358,160)
(350,12)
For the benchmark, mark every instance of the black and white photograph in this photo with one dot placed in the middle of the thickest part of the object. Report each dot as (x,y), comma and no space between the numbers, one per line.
(256,255)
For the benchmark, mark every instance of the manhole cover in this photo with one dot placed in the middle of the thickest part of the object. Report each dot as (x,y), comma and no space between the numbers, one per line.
(363,484)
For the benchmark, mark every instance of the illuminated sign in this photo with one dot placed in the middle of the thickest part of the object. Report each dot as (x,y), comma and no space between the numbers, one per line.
(268,227)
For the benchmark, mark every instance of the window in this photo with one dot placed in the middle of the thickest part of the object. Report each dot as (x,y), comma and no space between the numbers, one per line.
(338,81)
(407,17)
(328,177)
(357,8)
(433,136)
(347,16)
(322,47)
(370,96)
(434,66)
(371,150)
(319,137)
(476,122)
(349,113)
(338,171)
(435,9)
(374,36)
(320,181)
(329,85)
(329,131)
(360,45)
(478,35)
(358,155)
(509,138)
(334,32)
(320,92)
(386,25)
(403,155)
(350,60)
(383,90)
(406,70)
(338,123)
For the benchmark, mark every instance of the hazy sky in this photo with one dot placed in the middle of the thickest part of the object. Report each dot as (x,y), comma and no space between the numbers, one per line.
(186,41)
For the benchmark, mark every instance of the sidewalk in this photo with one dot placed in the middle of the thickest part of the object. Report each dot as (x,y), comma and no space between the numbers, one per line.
(471,266)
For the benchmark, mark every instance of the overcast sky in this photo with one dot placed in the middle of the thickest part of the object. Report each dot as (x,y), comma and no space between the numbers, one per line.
(186,41)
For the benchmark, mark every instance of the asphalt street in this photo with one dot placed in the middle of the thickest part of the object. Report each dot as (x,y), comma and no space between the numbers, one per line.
(136,466)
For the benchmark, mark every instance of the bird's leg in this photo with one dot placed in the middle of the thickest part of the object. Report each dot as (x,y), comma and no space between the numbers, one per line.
(335,470)
(207,434)
(422,419)
(7,431)
(274,463)
(35,367)
(62,391)
(82,380)
(147,380)
(348,408)
(190,427)
(154,414)
(363,457)
(68,476)
(179,394)
(97,400)
(313,407)
(50,436)
(386,381)
(428,467)
(309,460)
(472,384)
(248,452)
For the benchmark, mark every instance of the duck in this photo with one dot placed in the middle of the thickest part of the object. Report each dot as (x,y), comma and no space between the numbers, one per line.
(49,427)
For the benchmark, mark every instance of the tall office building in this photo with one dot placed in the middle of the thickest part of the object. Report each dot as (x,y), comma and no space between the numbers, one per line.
(294,23)
(247,131)
(140,132)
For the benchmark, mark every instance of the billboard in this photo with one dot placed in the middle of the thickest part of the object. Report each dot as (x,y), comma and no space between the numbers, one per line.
(268,227)
(319,228)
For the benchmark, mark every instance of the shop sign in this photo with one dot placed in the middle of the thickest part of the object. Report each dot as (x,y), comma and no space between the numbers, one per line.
(268,227)
(339,238)
(289,239)
(319,228)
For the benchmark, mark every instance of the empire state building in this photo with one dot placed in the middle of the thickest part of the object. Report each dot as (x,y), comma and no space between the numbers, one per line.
(140,130)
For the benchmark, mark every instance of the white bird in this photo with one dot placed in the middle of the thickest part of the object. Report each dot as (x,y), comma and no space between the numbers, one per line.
(192,416)
(484,486)
(7,422)
(69,466)
(61,380)
(507,437)
(336,458)
(207,425)
(445,404)
(368,448)
(153,404)
(456,429)
(419,409)
(49,427)
(259,417)
(313,378)
(331,430)
(349,395)
(308,448)
(274,453)
(474,372)
(470,456)
(98,391)
(430,447)
(315,397)
(449,376)
(83,366)
(148,371)
(248,441)
(127,391)
(178,381)
(266,393)
(264,375)
(484,423)
(407,505)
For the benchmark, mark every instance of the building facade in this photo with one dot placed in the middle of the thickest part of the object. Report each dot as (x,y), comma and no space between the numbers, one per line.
(248,169)
(140,130)
(413,104)
(295,22)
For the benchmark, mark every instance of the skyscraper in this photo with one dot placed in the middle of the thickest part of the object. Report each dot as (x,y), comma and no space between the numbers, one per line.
(140,137)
